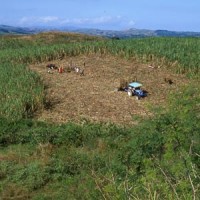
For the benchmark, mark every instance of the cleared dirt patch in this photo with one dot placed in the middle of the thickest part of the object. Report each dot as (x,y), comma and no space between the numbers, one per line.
(72,97)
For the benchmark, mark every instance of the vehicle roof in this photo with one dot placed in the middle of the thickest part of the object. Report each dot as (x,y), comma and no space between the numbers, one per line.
(135,84)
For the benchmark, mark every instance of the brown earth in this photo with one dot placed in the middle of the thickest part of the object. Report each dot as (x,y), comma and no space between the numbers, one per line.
(72,97)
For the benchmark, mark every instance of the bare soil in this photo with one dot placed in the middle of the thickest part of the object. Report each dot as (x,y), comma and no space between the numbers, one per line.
(72,97)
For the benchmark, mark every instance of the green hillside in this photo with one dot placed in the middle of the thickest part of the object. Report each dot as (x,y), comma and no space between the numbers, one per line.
(157,158)
(4,30)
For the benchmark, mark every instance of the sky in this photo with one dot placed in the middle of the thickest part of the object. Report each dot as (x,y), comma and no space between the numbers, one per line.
(174,15)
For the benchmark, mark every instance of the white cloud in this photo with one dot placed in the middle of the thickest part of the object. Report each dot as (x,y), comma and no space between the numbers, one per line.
(97,22)
(24,20)
(48,19)
(131,23)
(38,20)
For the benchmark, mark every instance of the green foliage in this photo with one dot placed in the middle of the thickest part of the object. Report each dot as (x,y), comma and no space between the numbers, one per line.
(14,43)
(180,54)
(21,91)
(156,159)
(167,148)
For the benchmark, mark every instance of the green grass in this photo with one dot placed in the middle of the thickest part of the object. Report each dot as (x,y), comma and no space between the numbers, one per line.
(156,159)
(21,91)
(159,156)
(181,54)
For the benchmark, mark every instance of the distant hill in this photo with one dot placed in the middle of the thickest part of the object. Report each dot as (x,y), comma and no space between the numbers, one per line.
(4,29)
(137,33)
(130,33)
(176,33)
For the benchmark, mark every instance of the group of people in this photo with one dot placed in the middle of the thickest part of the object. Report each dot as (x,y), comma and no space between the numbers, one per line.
(51,67)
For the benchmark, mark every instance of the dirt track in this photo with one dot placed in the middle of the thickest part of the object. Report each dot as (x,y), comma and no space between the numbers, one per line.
(74,98)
